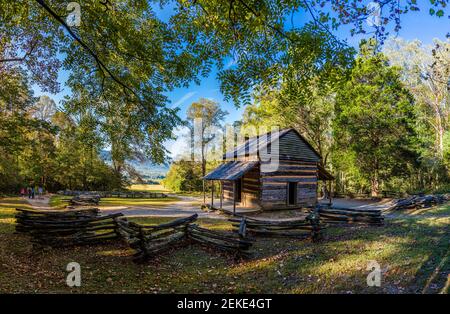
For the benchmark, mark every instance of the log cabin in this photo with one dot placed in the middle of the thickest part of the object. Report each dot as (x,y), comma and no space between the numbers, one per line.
(277,170)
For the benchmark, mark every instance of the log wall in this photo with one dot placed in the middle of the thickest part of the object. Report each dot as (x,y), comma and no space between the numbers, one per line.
(268,190)
(251,189)
(274,184)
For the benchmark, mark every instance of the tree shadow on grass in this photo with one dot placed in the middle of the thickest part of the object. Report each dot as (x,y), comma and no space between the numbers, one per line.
(434,273)
(337,264)
(419,248)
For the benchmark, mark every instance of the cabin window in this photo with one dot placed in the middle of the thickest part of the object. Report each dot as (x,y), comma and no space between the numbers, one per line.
(238,196)
(292,193)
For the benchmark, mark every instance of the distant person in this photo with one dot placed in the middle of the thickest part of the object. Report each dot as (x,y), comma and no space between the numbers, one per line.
(23,192)
(29,191)
(32,192)
(40,191)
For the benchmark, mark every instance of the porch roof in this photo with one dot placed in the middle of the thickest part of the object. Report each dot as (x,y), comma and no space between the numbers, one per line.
(231,170)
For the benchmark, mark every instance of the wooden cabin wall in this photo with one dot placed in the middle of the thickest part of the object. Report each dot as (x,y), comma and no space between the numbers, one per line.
(274,184)
(251,189)
(227,190)
(291,146)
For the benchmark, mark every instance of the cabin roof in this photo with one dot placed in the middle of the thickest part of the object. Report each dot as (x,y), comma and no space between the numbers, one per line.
(231,170)
(256,143)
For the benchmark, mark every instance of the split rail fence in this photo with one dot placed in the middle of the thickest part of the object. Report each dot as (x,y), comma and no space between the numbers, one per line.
(150,240)
(64,228)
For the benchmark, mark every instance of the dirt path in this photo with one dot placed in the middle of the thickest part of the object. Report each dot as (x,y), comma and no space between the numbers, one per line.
(185,206)
(189,205)
(363,204)
(41,202)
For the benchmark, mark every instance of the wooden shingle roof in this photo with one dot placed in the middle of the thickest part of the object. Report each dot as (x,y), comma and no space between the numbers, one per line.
(254,144)
(231,170)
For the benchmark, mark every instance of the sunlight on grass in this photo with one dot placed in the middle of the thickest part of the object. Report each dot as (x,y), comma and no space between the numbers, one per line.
(61,201)
(9,204)
(440,210)
(58,200)
(8,207)
(148,188)
(412,252)
(252,266)
(137,201)
(127,252)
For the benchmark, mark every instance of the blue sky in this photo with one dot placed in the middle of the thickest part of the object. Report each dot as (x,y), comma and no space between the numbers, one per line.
(415,25)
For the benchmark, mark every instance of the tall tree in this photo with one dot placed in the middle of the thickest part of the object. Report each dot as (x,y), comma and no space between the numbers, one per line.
(203,118)
(426,73)
(304,98)
(375,119)
(122,57)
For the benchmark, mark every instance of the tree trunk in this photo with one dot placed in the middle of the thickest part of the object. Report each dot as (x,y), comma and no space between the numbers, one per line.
(325,191)
(203,170)
(440,139)
(375,187)
(439,131)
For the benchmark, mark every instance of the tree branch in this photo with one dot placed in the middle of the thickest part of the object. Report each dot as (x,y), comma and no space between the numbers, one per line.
(320,24)
(257,14)
(20,59)
(100,64)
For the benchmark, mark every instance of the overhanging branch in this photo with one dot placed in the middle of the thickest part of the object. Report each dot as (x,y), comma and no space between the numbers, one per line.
(20,59)
(100,64)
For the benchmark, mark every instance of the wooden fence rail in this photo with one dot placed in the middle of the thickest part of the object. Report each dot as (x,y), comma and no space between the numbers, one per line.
(346,216)
(85,200)
(416,201)
(294,228)
(150,240)
(384,194)
(66,227)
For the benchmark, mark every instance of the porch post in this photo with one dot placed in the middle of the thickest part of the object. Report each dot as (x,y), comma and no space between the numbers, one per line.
(221,194)
(212,194)
(234,197)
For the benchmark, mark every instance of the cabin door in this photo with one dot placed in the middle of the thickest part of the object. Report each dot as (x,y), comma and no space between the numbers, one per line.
(292,193)
(238,196)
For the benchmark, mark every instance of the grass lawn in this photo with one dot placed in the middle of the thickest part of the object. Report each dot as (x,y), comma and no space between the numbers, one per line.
(148,188)
(413,252)
(160,188)
(59,201)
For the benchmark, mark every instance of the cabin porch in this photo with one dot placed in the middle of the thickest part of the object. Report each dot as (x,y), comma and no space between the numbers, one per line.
(239,186)
(229,207)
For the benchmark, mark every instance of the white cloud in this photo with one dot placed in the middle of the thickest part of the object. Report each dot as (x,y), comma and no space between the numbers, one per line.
(181,144)
(230,63)
(183,99)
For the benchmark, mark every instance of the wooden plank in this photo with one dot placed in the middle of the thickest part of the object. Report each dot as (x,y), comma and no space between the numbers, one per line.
(291,161)
(299,173)
(302,180)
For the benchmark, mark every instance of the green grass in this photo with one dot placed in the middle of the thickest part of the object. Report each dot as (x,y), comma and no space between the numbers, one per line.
(60,201)
(7,211)
(148,188)
(137,201)
(412,251)
(194,194)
